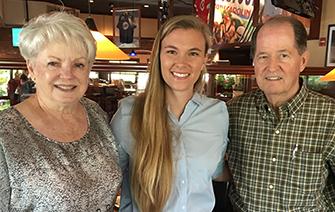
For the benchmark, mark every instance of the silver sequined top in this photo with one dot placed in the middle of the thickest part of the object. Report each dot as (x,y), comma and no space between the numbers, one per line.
(41,174)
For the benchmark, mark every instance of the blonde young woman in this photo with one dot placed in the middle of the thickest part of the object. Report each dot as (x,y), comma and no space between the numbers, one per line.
(172,138)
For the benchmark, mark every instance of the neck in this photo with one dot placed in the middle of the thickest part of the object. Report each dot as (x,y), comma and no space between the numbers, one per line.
(278,100)
(177,102)
(59,110)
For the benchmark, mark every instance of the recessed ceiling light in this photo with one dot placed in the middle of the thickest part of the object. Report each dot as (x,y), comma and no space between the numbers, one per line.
(160,7)
(91,1)
(146,5)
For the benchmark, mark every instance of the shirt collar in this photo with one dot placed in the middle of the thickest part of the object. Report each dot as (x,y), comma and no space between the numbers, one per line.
(287,109)
(197,98)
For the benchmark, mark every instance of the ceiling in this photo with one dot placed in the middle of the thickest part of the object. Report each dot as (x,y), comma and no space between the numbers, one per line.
(105,6)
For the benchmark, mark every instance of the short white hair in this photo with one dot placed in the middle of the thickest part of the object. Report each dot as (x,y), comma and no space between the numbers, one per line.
(52,28)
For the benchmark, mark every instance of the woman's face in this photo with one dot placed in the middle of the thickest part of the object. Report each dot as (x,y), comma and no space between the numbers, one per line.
(182,58)
(61,73)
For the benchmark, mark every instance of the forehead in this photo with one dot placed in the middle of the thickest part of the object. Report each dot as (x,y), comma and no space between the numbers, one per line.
(63,50)
(185,37)
(279,35)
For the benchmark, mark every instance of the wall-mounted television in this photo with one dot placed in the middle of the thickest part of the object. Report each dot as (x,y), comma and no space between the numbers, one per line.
(15,36)
(305,8)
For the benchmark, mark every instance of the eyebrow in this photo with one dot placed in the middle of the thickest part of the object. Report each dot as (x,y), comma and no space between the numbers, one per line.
(174,47)
(57,58)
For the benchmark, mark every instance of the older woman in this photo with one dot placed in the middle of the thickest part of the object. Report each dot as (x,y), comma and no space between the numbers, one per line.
(172,138)
(57,152)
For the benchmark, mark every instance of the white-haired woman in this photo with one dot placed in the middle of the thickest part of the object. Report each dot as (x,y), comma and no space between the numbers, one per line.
(57,152)
(172,138)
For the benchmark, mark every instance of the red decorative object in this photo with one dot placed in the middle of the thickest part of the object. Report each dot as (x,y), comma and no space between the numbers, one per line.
(202,8)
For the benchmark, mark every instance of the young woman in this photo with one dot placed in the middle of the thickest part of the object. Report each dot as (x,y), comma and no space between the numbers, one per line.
(172,138)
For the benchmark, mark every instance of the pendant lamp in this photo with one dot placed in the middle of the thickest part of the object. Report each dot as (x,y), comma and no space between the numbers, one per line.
(106,49)
(330,76)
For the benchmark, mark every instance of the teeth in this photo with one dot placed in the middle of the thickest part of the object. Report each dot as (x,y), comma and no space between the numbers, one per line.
(273,78)
(181,75)
(65,87)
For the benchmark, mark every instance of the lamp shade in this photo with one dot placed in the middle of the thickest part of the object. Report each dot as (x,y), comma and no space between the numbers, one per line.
(330,76)
(106,49)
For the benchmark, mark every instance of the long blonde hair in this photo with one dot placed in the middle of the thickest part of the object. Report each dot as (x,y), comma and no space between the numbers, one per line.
(152,171)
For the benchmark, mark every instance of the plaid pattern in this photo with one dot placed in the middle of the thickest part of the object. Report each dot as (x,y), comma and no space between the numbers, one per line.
(285,163)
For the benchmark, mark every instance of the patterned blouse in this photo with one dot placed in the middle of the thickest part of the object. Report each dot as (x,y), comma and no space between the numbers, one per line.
(41,174)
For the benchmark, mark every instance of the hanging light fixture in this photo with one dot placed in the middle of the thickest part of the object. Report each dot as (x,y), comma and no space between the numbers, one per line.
(132,53)
(330,76)
(106,50)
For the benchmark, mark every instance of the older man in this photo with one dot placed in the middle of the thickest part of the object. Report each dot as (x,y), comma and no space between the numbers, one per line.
(282,149)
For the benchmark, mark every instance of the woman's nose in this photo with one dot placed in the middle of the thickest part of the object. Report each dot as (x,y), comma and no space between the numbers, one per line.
(67,71)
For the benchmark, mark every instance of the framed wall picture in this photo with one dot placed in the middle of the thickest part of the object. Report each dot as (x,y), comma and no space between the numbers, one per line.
(330,52)
(127,27)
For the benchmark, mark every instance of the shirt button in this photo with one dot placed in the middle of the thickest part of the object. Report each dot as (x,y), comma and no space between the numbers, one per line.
(270,187)
(274,159)
(183,207)
(277,132)
(292,116)
(182,182)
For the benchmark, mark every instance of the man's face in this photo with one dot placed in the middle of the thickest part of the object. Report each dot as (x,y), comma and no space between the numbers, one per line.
(278,63)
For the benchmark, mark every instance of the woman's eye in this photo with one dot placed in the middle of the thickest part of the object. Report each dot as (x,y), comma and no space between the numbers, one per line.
(53,64)
(171,52)
(194,54)
(79,65)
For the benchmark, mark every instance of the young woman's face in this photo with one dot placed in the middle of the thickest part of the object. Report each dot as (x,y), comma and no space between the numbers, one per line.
(182,58)
(61,73)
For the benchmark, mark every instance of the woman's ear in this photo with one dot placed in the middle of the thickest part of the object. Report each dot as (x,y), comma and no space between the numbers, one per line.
(31,71)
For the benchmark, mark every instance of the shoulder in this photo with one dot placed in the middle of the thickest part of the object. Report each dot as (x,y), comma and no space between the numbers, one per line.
(126,105)
(8,117)
(93,109)
(212,102)
(325,104)
(246,97)
(315,96)
(211,107)
(11,124)
(91,105)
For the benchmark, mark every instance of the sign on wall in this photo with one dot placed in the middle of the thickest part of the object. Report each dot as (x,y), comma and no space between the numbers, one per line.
(233,21)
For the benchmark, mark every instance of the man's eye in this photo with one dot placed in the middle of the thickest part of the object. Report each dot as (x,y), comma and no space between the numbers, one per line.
(262,57)
(284,56)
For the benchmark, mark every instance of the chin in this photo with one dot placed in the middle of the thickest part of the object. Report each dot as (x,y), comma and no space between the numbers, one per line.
(68,100)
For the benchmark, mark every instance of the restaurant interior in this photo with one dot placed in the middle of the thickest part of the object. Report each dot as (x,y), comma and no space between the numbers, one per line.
(121,70)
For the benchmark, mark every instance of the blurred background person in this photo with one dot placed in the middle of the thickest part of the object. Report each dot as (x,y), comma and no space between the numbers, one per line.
(12,85)
(57,152)
(26,87)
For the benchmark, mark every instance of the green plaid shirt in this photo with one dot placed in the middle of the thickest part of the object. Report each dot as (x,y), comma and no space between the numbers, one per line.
(284,162)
